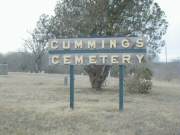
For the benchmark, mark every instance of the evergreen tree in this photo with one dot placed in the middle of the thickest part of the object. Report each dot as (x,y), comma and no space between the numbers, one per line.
(76,18)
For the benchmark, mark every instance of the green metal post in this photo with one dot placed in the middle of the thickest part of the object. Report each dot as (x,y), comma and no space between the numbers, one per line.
(72,86)
(121,87)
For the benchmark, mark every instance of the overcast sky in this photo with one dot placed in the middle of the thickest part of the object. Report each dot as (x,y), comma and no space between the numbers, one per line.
(20,16)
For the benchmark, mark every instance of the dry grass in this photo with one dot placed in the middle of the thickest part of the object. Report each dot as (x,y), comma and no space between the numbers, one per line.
(38,104)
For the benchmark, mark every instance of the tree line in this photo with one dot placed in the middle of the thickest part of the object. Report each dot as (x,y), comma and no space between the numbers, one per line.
(23,61)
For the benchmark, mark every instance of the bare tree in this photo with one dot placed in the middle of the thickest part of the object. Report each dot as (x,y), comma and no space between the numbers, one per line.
(38,50)
(36,44)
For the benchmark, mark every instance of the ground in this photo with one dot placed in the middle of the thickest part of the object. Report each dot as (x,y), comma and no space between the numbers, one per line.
(38,104)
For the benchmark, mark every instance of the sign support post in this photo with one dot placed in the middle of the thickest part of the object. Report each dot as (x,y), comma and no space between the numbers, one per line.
(121,87)
(71,69)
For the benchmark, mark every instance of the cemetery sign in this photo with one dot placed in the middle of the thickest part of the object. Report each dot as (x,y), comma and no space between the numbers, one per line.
(99,51)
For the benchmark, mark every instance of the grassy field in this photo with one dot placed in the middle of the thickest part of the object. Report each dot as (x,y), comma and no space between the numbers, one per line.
(38,104)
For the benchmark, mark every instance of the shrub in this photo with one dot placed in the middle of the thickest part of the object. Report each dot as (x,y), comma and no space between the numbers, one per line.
(139,81)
